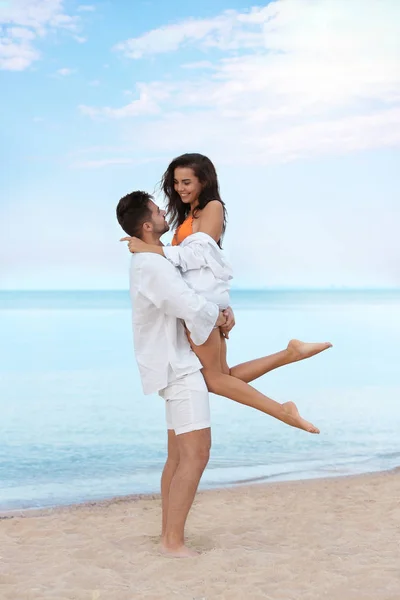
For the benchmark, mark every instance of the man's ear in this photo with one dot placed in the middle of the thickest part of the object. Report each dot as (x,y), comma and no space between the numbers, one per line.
(147,226)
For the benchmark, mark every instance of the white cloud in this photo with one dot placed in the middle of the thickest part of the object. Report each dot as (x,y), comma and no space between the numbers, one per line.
(225,31)
(65,71)
(148,103)
(16,54)
(296,78)
(200,64)
(19,33)
(23,22)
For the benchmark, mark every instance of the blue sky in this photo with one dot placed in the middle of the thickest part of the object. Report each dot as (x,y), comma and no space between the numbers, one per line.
(297,102)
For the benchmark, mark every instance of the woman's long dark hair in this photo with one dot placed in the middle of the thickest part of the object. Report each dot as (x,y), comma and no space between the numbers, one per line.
(206,174)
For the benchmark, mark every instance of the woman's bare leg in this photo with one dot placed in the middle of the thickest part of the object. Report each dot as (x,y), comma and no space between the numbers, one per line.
(209,353)
(295,351)
(231,387)
(223,358)
(243,393)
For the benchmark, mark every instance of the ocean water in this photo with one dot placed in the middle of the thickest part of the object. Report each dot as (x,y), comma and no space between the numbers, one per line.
(75,425)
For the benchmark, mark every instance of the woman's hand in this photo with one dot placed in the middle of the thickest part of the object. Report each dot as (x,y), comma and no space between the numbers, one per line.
(135,244)
(230,322)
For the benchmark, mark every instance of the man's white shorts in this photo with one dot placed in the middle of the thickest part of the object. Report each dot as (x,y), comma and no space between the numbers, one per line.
(187,404)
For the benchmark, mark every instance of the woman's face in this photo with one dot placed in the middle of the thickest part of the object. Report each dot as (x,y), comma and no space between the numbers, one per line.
(187,185)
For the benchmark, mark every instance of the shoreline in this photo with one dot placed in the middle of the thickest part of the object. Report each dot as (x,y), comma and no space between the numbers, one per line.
(133,498)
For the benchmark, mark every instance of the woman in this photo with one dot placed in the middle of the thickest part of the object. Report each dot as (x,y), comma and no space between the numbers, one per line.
(195,207)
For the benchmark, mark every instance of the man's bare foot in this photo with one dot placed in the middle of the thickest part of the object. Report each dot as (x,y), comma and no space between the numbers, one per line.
(299,350)
(293,418)
(181,552)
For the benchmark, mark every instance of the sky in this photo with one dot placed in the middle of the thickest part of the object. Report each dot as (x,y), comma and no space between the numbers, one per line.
(297,103)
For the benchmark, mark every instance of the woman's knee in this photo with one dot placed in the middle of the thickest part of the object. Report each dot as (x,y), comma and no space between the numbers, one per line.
(212,377)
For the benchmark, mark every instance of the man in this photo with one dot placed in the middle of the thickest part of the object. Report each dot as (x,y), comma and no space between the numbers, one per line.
(161,300)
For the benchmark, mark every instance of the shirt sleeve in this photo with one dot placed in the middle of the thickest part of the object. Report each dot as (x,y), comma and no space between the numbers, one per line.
(162,284)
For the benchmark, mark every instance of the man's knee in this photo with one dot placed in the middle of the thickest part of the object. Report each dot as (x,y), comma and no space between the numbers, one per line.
(198,462)
(202,456)
(173,455)
(195,448)
(172,462)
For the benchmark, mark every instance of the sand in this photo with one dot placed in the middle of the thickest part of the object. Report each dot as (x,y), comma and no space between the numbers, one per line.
(334,539)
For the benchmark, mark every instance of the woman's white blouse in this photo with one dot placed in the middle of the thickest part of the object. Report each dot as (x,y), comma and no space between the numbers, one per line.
(203,266)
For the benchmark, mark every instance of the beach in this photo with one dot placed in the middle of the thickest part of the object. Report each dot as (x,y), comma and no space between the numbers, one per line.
(334,538)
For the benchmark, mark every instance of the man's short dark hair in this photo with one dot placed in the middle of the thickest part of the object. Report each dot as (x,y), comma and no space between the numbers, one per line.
(132,211)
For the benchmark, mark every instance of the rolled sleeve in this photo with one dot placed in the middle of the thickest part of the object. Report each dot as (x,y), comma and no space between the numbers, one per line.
(202,325)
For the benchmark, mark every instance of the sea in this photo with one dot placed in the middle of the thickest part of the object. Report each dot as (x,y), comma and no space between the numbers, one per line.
(75,425)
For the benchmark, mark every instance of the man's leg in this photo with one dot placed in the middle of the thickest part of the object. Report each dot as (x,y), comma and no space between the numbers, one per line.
(194,451)
(168,473)
(295,351)
(188,413)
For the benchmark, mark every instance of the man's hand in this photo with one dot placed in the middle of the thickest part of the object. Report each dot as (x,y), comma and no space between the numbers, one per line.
(230,322)
(221,321)
(135,244)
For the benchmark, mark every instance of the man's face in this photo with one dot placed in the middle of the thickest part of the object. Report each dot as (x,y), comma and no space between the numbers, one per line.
(158,221)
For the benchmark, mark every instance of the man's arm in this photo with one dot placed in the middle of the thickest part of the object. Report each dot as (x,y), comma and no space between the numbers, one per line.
(162,284)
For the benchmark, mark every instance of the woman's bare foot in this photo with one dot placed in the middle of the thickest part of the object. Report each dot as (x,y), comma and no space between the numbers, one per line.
(181,552)
(299,350)
(293,418)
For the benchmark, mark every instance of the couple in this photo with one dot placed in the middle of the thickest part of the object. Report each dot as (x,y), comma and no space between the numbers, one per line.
(181,321)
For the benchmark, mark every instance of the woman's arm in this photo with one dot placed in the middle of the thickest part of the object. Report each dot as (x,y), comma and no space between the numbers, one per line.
(211,220)
(137,245)
(191,256)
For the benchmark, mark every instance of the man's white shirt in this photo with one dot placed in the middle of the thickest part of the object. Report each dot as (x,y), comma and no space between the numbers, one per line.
(161,300)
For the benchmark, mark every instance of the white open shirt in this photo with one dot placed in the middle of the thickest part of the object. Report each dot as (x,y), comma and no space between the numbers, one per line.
(203,266)
(160,298)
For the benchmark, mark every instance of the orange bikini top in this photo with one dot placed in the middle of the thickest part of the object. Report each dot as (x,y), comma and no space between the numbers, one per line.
(183,231)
